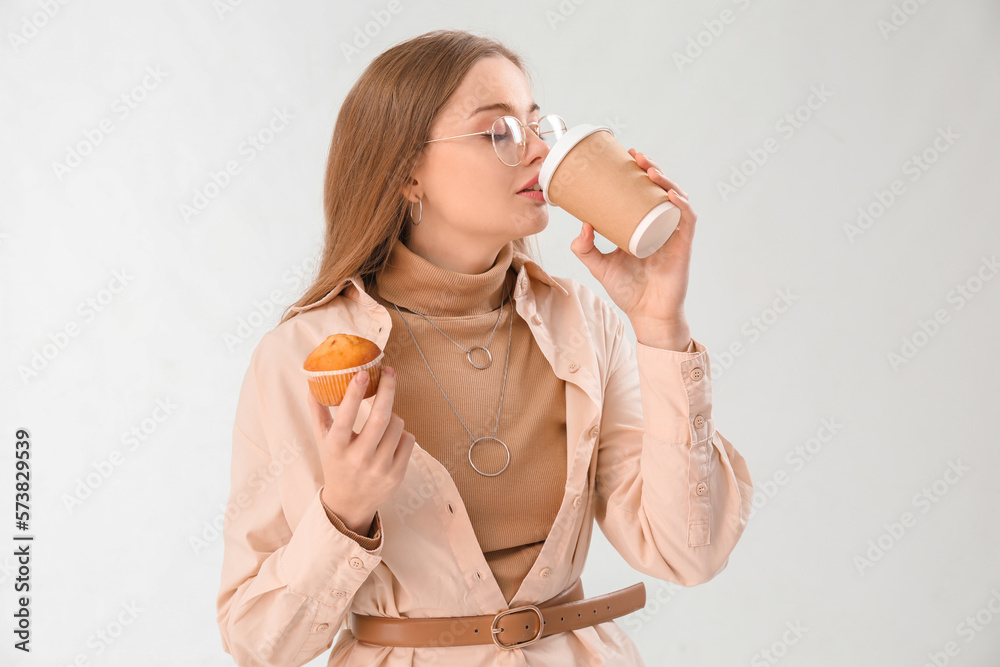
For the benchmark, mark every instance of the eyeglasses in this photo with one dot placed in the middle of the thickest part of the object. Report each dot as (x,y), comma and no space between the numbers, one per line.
(510,140)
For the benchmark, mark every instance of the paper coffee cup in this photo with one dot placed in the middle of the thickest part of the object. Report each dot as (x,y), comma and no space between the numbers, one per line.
(593,178)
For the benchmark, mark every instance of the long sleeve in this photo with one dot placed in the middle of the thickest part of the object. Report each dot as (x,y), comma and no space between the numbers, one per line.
(673,494)
(285,590)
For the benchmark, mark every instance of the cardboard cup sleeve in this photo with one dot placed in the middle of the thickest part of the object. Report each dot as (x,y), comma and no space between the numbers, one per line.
(590,175)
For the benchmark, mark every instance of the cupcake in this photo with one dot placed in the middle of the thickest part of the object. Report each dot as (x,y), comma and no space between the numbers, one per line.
(333,364)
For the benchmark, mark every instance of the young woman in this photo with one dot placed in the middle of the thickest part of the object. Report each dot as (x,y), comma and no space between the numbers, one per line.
(513,411)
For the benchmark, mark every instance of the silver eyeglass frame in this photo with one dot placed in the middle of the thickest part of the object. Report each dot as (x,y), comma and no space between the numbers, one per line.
(522,145)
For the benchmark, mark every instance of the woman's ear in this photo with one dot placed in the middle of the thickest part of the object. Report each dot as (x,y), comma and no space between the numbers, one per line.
(411,191)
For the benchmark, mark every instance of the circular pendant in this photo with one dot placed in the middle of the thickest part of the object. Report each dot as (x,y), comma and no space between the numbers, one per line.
(489,357)
(489,474)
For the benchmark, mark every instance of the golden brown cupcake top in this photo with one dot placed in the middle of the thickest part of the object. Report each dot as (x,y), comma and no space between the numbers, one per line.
(340,351)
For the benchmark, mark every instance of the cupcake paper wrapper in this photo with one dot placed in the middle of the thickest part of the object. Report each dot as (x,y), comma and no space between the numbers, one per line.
(329,387)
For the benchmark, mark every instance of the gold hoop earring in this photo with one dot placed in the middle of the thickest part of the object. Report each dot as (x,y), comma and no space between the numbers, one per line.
(417,221)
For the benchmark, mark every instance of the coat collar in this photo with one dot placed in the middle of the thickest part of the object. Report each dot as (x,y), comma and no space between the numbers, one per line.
(528,272)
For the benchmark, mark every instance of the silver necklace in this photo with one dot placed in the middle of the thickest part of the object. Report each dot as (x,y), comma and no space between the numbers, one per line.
(468,352)
(510,333)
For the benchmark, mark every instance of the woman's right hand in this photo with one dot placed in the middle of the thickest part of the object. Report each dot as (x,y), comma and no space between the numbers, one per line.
(361,470)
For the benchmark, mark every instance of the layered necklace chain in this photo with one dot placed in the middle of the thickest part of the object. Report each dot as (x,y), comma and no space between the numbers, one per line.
(510,333)
(468,351)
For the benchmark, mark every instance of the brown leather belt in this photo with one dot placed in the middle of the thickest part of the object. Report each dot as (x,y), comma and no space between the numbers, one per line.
(511,628)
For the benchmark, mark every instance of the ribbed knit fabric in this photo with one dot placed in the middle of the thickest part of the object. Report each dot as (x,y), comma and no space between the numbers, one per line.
(367,541)
(532,421)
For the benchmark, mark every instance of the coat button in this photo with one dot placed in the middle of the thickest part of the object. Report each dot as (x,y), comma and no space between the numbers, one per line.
(536,318)
(699,421)
(339,594)
(574,367)
(357,563)
(577,501)
(594,431)
(701,488)
(322,627)
(544,573)
(696,374)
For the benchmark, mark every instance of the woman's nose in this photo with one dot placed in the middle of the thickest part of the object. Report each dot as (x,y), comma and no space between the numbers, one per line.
(536,147)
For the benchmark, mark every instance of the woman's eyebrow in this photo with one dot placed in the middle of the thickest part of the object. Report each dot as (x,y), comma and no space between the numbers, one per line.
(503,106)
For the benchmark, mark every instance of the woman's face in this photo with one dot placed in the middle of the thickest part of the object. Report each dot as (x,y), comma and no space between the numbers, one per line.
(469,196)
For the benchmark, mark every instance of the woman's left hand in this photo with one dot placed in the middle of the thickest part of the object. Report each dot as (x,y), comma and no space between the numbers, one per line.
(650,291)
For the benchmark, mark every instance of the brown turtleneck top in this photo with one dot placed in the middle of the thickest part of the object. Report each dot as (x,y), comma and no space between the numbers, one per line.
(532,419)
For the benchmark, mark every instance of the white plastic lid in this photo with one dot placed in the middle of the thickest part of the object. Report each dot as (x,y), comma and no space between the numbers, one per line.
(654,229)
(561,149)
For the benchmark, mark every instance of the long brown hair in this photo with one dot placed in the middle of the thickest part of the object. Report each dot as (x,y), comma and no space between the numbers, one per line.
(380,131)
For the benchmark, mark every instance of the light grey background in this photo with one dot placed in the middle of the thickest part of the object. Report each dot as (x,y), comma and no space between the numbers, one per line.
(818,312)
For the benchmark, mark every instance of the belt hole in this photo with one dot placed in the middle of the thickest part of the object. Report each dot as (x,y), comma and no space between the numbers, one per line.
(476,631)
(609,606)
(526,627)
(579,614)
(563,618)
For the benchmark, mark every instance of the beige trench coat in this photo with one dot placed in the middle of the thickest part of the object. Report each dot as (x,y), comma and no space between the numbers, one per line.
(645,461)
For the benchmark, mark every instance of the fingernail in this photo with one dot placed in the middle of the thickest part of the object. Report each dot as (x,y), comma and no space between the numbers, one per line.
(671,191)
(658,171)
(390,372)
(361,377)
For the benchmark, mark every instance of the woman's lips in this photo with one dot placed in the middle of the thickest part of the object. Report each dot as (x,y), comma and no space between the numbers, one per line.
(533,194)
